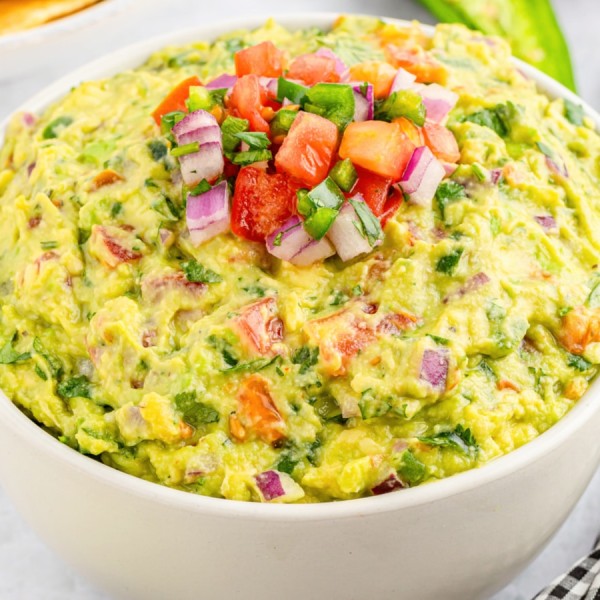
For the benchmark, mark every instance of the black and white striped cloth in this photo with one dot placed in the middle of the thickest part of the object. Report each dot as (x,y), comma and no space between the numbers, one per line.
(582,582)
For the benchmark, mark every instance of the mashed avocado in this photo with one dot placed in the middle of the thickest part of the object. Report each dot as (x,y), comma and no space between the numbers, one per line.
(221,370)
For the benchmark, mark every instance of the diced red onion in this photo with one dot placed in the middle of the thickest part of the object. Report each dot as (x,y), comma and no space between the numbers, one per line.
(402,81)
(364,104)
(546,222)
(449,168)
(422,176)
(556,168)
(400,445)
(340,68)
(349,406)
(391,484)
(296,246)
(495,175)
(29,119)
(471,285)
(269,484)
(270,84)
(438,100)
(222,82)
(207,215)
(30,169)
(203,135)
(166,237)
(434,368)
(207,163)
(195,120)
(345,236)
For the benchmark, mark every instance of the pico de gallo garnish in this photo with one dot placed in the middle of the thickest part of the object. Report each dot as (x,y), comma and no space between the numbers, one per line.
(302,266)
(307,155)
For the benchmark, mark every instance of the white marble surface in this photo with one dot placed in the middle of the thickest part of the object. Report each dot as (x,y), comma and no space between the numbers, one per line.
(28,570)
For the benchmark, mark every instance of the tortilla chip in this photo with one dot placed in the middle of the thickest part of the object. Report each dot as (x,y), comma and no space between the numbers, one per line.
(16,15)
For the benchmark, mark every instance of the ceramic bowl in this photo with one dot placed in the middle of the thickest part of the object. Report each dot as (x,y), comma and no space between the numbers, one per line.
(461,538)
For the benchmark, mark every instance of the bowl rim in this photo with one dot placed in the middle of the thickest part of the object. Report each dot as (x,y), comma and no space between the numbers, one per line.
(81,18)
(39,440)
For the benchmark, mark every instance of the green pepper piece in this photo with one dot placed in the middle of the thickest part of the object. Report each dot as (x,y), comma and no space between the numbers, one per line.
(199,99)
(344,174)
(282,121)
(320,206)
(334,101)
(291,90)
(530,26)
(404,103)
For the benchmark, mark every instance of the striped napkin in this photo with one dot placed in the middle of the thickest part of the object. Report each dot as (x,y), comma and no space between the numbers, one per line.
(582,582)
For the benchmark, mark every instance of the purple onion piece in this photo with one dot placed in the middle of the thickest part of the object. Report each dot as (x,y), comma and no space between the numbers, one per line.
(207,215)
(195,120)
(546,222)
(269,485)
(207,163)
(203,135)
(556,168)
(364,103)
(495,176)
(391,484)
(434,368)
(270,84)
(438,101)
(222,82)
(449,168)
(29,119)
(473,284)
(30,169)
(288,240)
(347,239)
(402,81)
(316,251)
(422,176)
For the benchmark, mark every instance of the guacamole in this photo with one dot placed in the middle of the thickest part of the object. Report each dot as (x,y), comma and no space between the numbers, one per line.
(443,315)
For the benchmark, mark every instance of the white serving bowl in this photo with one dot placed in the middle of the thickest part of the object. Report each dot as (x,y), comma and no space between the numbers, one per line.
(461,538)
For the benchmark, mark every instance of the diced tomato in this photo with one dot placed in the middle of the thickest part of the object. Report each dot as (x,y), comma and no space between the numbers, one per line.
(374,188)
(262,202)
(391,207)
(312,69)
(580,327)
(396,323)
(248,99)
(256,413)
(114,245)
(264,60)
(377,146)
(308,149)
(418,62)
(260,327)
(414,133)
(380,74)
(441,141)
(155,289)
(176,99)
(340,337)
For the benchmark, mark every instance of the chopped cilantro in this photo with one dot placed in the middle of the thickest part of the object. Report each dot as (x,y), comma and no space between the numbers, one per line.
(116,209)
(544,149)
(412,470)
(9,356)
(74,387)
(250,156)
(286,464)
(305,357)
(53,129)
(158,149)
(255,290)
(50,245)
(256,140)
(438,340)
(193,412)
(485,368)
(461,439)
(447,264)
(197,273)
(338,298)
(357,290)
(229,128)
(278,238)
(369,227)
(578,362)
(448,192)
(40,372)
(497,118)
(593,300)
(574,113)
(252,366)
(168,121)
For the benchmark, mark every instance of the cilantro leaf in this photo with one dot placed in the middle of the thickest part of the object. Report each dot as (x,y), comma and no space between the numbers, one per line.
(9,356)
(158,149)
(54,364)
(448,192)
(370,227)
(461,439)
(305,357)
(578,362)
(197,273)
(193,412)
(574,113)
(497,119)
(75,387)
(412,470)
(447,264)
(256,140)
(250,156)
(252,366)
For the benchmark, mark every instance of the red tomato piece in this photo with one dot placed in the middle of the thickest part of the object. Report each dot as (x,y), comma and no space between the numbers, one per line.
(419,62)
(391,207)
(441,141)
(256,414)
(380,74)
(260,328)
(176,99)
(374,188)
(313,69)
(308,149)
(264,60)
(248,99)
(380,147)
(262,202)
